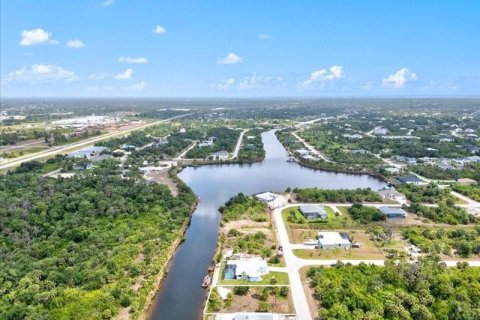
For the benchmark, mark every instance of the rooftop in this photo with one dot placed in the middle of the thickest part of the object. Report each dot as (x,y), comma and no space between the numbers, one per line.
(332,238)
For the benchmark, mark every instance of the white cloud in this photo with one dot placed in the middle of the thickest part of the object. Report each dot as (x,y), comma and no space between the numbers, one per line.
(99,76)
(159,30)
(264,36)
(127,74)
(399,79)
(36,36)
(108,3)
(231,58)
(324,75)
(140,86)
(225,84)
(41,73)
(254,80)
(132,60)
(75,44)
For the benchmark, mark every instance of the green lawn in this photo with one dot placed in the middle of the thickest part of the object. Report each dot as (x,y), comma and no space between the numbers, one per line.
(333,221)
(282,279)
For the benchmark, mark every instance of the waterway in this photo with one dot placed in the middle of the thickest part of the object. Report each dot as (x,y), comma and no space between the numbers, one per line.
(181,296)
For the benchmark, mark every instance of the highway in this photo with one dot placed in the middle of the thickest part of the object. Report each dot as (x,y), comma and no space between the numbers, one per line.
(81,144)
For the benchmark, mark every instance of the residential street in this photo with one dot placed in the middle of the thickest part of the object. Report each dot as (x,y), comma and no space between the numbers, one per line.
(294,264)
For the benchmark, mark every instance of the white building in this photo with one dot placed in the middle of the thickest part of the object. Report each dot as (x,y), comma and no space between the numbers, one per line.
(271,199)
(88,152)
(251,269)
(392,194)
(220,155)
(332,240)
(254,316)
(380,130)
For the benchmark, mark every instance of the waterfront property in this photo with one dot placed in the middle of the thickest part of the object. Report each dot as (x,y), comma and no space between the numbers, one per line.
(393,212)
(251,269)
(392,194)
(410,179)
(311,211)
(220,155)
(255,316)
(332,240)
(271,199)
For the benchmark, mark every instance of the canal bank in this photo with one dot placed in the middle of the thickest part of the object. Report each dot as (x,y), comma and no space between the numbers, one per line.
(181,295)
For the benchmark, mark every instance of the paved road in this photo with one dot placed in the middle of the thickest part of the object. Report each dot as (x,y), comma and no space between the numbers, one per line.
(311,148)
(182,155)
(85,143)
(294,264)
(238,145)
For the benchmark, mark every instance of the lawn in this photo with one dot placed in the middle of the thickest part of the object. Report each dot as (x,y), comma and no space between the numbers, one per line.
(333,221)
(367,250)
(282,279)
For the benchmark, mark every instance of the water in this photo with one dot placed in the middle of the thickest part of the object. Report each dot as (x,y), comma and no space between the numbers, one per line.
(181,296)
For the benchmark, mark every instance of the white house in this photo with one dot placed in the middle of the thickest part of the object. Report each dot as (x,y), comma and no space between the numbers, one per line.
(271,199)
(332,240)
(88,152)
(392,194)
(254,316)
(251,269)
(220,155)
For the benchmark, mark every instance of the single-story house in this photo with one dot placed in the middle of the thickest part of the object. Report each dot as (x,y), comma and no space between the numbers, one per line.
(360,151)
(392,194)
(392,170)
(393,212)
(332,240)
(312,211)
(127,147)
(271,199)
(302,152)
(380,130)
(220,155)
(466,181)
(101,157)
(255,316)
(86,152)
(251,269)
(411,179)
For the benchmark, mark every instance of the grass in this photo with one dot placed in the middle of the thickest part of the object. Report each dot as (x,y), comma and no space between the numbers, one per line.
(282,279)
(332,222)
(367,250)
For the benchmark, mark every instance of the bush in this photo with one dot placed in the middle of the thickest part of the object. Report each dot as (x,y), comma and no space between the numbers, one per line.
(241,290)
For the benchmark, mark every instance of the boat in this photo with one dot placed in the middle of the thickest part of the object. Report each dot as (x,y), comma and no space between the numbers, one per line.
(206,281)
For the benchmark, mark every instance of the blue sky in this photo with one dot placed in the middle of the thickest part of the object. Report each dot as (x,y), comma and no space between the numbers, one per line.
(241,48)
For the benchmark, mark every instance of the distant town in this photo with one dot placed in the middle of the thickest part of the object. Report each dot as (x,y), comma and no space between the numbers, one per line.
(290,205)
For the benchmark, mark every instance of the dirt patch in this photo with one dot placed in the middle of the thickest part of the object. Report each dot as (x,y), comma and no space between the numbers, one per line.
(240,224)
(124,313)
(163,177)
(251,301)
(139,258)
(309,293)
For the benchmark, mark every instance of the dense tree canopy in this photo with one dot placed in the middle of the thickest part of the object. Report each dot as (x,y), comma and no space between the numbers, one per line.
(66,245)
(427,290)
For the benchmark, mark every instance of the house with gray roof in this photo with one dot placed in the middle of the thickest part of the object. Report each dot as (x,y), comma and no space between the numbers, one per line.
(393,212)
(313,211)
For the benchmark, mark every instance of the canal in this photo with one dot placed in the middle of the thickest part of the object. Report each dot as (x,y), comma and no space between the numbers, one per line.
(181,296)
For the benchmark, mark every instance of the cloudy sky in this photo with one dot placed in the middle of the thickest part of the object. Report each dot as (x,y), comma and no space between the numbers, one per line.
(239,48)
